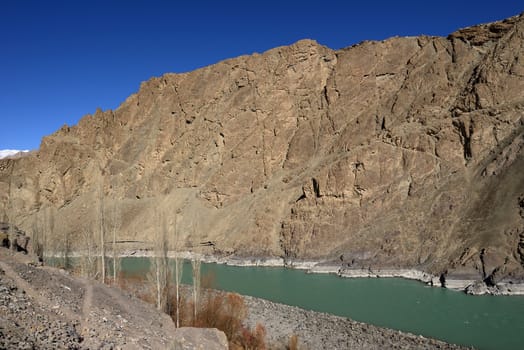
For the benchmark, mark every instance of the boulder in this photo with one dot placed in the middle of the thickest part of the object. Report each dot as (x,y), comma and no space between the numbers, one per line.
(188,338)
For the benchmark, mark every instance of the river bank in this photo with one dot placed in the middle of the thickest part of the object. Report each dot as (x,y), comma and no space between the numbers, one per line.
(436,313)
(317,330)
(109,312)
(469,284)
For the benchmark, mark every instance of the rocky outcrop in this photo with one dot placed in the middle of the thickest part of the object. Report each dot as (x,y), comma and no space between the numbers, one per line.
(200,338)
(12,237)
(403,153)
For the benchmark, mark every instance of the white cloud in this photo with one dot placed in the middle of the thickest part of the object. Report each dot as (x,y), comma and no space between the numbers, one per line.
(9,152)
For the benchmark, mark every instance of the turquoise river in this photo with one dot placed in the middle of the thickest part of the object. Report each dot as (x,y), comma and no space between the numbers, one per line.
(485,322)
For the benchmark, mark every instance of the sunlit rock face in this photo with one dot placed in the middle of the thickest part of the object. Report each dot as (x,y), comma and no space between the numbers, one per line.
(402,153)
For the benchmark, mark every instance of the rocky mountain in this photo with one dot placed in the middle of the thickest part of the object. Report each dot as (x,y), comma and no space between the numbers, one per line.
(406,152)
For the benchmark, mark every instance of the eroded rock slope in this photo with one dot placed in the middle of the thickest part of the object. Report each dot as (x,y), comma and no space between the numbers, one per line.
(403,153)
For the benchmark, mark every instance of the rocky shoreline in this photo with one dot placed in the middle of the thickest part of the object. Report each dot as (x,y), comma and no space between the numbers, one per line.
(47,308)
(316,330)
(470,284)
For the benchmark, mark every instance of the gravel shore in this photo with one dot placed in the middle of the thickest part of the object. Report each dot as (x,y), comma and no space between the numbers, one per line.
(317,330)
(46,308)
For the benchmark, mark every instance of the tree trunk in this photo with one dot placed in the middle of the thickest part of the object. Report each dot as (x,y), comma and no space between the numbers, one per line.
(178,276)
(102,232)
(196,287)
(115,222)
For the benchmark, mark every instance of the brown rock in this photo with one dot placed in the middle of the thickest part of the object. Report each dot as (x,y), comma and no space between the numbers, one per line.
(200,338)
(405,152)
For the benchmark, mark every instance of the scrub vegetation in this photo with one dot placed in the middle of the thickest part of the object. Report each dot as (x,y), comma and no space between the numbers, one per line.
(189,306)
(213,309)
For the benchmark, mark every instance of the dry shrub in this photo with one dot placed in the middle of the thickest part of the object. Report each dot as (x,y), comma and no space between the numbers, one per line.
(185,312)
(148,297)
(130,282)
(136,285)
(255,339)
(293,342)
(226,312)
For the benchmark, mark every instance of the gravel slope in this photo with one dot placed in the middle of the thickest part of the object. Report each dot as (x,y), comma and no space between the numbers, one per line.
(46,308)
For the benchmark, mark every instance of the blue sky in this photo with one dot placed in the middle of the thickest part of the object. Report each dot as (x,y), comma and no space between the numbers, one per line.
(60,60)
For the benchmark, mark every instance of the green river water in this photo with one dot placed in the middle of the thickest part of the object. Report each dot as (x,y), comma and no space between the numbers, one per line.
(485,322)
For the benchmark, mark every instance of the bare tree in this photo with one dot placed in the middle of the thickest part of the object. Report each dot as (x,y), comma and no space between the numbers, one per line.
(101,228)
(59,244)
(178,273)
(115,226)
(37,237)
(49,228)
(88,260)
(9,218)
(195,264)
(66,251)
(159,273)
(49,222)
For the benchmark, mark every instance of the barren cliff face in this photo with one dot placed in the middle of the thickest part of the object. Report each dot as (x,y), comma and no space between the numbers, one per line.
(406,152)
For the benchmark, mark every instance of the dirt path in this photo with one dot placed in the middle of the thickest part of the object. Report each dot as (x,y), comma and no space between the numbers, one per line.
(122,303)
(61,310)
(86,308)
(48,308)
